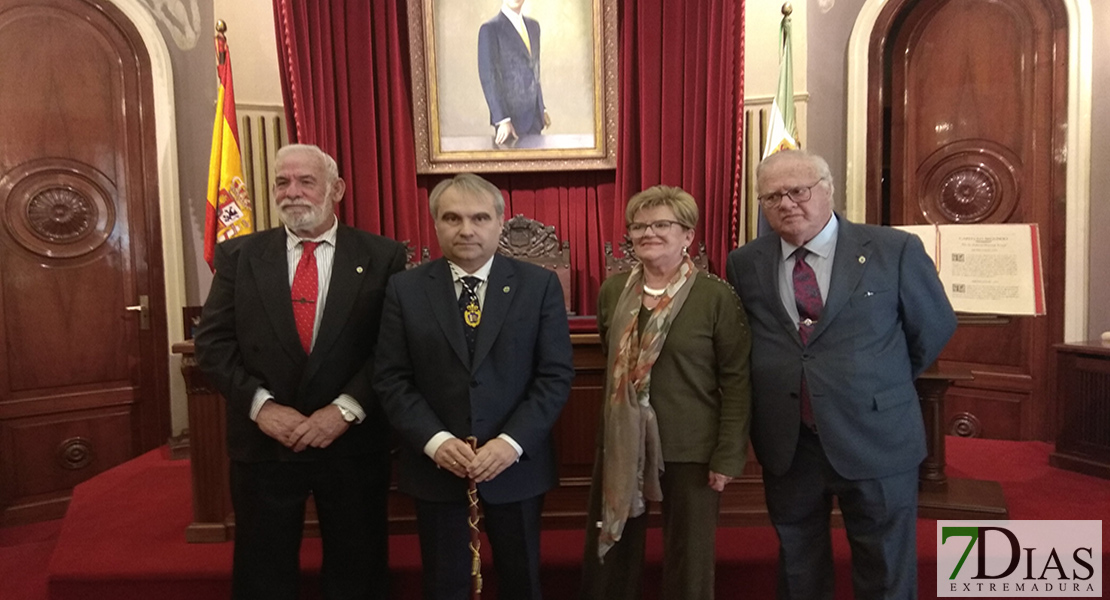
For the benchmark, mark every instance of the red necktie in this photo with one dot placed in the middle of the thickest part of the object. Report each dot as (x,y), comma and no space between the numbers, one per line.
(305,289)
(807,296)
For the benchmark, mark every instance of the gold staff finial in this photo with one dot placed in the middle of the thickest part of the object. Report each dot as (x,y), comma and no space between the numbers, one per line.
(787,9)
(221,26)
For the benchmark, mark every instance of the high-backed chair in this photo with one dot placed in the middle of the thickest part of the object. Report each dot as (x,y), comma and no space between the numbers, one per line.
(410,255)
(532,241)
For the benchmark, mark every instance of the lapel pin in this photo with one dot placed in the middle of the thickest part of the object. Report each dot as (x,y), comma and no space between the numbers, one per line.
(358,269)
(505,289)
(862,259)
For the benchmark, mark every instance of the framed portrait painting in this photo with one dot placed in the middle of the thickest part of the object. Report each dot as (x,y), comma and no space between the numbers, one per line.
(514,85)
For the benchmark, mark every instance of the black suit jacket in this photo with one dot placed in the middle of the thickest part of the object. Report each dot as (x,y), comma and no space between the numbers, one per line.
(247,338)
(517,383)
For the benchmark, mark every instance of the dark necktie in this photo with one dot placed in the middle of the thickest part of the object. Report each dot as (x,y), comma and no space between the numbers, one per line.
(305,289)
(807,296)
(470,310)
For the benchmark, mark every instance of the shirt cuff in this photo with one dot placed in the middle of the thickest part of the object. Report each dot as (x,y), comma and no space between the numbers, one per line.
(505,120)
(433,444)
(512,442)
(260,398)
(348,402)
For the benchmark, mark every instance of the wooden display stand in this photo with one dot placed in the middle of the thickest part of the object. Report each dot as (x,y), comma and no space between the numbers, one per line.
(742,503)
(940,496)
(1083,408)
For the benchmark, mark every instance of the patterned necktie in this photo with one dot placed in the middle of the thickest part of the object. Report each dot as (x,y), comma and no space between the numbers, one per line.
(470,310)
(305,289)
(807,296)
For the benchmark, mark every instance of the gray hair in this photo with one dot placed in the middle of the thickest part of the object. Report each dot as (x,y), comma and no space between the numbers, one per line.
(471,184)
(331,169)
(819,165)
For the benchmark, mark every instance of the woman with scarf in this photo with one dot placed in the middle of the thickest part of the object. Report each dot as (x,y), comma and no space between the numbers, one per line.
(676,411)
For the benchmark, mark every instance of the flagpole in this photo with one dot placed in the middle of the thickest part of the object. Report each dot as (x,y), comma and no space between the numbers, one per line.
(221,29)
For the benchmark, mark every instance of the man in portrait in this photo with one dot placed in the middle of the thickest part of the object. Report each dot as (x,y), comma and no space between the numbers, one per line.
(509,69)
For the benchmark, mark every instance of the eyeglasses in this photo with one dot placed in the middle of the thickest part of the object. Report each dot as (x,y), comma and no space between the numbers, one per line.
(799,195)
(657,227)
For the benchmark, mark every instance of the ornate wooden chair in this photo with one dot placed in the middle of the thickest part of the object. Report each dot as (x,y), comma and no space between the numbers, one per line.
(411,259)
(532,241)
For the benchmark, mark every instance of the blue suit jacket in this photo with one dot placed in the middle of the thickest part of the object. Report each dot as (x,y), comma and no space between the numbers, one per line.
(510,76)
(886,320)
(517,383)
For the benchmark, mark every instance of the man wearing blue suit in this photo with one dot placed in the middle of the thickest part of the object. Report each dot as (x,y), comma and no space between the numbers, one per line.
(509,69)
(475,344)
(844,317)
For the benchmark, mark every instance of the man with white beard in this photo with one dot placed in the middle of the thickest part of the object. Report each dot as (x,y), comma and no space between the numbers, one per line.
(288,336)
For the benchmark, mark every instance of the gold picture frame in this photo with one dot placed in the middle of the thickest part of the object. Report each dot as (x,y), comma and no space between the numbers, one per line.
(577,81)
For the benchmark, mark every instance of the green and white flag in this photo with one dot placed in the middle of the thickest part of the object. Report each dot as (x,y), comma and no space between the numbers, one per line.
(782,132)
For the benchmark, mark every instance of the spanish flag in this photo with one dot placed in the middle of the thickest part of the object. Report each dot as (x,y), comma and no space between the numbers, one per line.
(229,212)
(782,132)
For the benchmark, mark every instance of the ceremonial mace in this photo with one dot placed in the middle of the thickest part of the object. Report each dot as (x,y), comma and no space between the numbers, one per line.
(475,540)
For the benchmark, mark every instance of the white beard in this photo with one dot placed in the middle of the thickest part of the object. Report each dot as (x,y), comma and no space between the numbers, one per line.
(307,217)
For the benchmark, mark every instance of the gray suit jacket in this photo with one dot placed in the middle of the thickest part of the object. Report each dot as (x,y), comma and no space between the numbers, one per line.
(885,321)
(516,384)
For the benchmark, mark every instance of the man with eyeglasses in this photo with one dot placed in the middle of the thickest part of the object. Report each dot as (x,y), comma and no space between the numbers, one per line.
(843,317)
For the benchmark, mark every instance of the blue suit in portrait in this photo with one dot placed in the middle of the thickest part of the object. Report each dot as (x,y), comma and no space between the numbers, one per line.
(885,320)
(510,74)
(516,384)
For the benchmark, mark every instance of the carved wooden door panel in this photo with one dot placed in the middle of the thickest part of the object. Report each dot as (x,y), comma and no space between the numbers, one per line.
(83,381)
(977,101)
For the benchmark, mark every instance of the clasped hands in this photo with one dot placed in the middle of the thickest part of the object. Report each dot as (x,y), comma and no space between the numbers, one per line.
(488,462)
(296,431)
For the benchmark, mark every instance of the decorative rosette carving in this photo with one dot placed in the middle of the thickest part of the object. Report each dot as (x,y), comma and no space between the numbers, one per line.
(60,214)
(75,453)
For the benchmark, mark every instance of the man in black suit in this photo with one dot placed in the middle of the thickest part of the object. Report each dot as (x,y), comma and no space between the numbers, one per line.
(478,346)
(288,336)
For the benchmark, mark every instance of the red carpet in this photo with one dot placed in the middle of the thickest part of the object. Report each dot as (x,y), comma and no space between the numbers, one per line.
(123,536)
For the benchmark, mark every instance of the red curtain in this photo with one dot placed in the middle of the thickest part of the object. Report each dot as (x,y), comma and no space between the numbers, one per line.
(346,86)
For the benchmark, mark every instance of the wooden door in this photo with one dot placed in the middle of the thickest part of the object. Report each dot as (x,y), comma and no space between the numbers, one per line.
(974,95)
(83,378)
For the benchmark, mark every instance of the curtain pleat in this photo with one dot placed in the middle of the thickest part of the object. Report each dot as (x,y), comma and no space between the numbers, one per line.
(346,85)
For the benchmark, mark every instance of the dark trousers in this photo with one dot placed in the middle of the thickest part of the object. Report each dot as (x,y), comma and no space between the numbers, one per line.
(880,518)
(269,501)
(690,510)
(514,534)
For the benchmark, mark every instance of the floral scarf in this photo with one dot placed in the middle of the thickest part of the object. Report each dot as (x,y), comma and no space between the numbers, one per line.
(633,458)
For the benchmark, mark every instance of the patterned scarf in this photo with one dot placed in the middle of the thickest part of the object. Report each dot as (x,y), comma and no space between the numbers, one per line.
(633,458)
